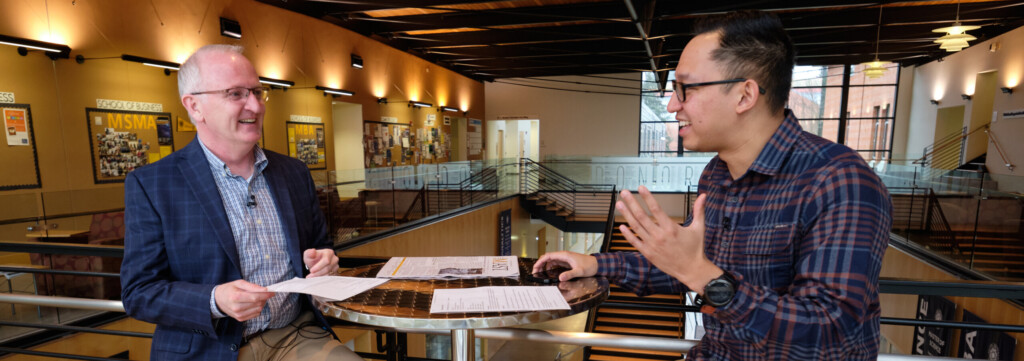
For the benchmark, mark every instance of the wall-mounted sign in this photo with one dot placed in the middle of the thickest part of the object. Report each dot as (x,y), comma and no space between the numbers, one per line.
(305,119)
(1018,113)
(18,156)
(6,97)
(306,142)
(122,140)
(129,105)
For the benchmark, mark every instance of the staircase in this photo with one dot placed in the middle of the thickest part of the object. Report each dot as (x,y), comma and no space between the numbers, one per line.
(624,313)
(564,203)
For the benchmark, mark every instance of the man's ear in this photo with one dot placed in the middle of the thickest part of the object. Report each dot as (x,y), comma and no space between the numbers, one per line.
(191,105)
(750,92)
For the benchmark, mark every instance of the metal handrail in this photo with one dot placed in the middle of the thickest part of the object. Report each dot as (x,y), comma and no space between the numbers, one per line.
(55,216)
(999,149)
(511,334)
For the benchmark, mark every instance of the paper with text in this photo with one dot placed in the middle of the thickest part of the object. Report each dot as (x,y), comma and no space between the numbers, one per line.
(498,299)
(337,288)
(449,267)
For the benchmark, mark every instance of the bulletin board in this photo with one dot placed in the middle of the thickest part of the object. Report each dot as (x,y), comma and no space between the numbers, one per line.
(387,144)
(306,143)
(122,140)
(18,157)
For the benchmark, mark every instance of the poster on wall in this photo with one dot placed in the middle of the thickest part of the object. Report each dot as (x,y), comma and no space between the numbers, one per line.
(16,124)
(18,156)
(984,345)
(122,140)
(933,341)
(306,143)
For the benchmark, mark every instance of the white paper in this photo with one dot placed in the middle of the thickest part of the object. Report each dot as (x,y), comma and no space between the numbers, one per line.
(332,287)
(449,267)
(498,299)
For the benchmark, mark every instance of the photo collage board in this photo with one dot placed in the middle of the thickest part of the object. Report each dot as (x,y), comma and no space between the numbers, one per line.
(122,140)
(393,143)
(306,142)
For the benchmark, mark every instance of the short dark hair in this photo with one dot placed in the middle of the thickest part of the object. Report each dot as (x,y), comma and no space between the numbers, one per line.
(753,44)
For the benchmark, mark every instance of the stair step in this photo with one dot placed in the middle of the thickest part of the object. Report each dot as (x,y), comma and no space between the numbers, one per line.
(638,312)
(637,331)
(672,326)
(622,354)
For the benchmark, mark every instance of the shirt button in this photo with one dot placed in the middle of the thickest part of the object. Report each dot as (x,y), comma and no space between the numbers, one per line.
(234,347)
(733,199)
(266,256)
(259,221)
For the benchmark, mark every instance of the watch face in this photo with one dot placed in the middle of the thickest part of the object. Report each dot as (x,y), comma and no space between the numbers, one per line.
(719,292)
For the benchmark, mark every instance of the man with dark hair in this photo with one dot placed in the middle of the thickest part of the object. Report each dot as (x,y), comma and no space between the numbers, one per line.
(785,242)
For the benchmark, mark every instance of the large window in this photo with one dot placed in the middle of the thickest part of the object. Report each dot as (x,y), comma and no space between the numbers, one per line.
(817,99)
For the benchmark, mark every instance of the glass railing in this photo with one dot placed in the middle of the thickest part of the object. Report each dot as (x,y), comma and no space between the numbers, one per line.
(971,218)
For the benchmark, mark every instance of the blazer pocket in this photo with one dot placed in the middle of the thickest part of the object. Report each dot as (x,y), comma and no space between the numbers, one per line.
(172,340)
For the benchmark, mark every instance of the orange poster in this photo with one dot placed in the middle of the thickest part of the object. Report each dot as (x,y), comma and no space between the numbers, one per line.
(16,124)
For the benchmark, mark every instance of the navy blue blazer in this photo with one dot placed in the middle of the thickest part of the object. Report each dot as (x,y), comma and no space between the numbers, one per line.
(179,245)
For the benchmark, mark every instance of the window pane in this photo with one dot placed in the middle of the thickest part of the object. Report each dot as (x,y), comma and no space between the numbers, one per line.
(817,75)
(808,103)
(828,128)
(857,76)
(659,137)
(868,134)
(866,101)
(652,104)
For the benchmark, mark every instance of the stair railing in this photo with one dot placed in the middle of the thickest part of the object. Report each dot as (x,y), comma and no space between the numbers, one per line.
(999,149)
(938,226)
(946,153)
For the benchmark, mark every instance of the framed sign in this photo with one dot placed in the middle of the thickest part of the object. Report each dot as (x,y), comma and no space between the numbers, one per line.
(306,142)
(18,155)
(122,140)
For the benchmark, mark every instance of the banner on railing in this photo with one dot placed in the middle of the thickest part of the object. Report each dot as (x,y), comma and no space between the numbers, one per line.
(415,177)
(932,341)
(984,345)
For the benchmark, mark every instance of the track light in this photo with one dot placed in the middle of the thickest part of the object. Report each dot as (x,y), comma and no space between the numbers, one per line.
(230,28)
(52,50)
(333,91)
(448,109)
(934,102)
(277,82)
(417,104)
(357,61)
(382,100)
(165,65)
(1006,90)
(965,96)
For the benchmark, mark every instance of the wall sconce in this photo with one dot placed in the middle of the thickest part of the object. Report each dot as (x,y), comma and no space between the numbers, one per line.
(416,104)
(934,102)
(165,65)
(52,50)
(230,28)
(382,100)
(1006,90)
(447,109)
(965,96)
(333,91)
(277,82)
(357,61)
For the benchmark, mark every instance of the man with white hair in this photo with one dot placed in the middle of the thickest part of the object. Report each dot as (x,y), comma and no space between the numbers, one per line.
(209,226)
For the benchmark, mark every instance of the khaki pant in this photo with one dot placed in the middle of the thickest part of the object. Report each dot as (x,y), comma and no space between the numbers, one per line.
(303,339)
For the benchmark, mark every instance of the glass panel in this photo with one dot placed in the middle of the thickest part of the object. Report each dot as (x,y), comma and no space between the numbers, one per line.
(815,103)
(659,137)
(869,134)
(825,128)
(871,101)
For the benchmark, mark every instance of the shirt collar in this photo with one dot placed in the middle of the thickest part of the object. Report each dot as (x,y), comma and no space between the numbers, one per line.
(774,153)
(216,164)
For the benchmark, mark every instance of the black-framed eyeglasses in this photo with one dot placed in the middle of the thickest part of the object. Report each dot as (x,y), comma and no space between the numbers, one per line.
(238,94)
(680,88)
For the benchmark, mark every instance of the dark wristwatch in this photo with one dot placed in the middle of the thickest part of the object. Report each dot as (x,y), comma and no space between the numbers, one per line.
(717,293)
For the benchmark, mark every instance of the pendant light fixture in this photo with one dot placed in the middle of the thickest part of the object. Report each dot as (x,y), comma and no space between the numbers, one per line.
(956,37)
(875,69)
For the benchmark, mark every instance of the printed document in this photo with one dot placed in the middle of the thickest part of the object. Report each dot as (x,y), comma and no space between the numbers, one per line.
(449,267)
(498,299)
(336,288)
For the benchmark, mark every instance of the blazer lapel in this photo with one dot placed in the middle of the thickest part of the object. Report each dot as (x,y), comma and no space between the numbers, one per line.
(196,169)
(281,190)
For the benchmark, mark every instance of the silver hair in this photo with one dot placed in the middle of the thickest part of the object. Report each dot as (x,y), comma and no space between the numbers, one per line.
(189,76)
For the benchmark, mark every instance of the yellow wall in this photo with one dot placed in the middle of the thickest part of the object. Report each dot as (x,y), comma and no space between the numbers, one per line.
(898,264)
(281,45)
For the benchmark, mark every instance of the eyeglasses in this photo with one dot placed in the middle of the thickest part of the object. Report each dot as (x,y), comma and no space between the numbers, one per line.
(680,88)
(261,93)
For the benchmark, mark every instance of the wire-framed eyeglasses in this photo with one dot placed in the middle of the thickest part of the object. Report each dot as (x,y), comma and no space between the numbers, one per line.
(238,94)
(680,88)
